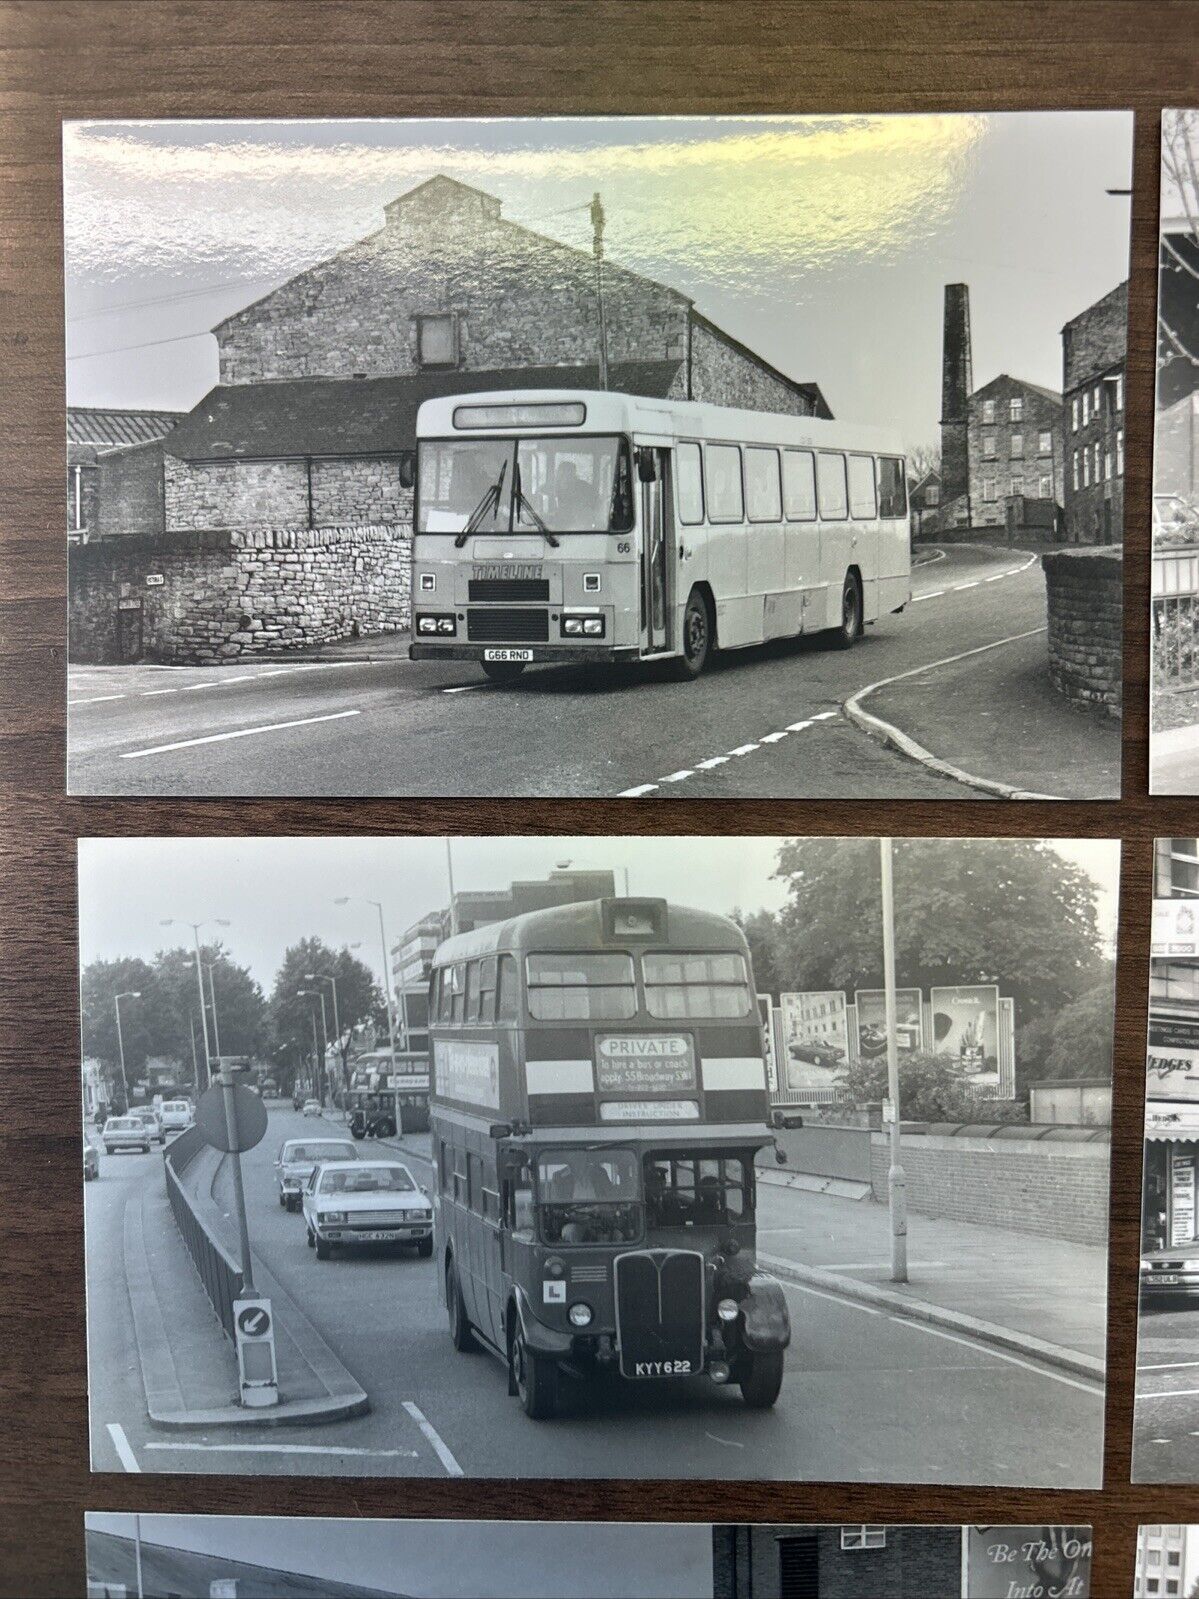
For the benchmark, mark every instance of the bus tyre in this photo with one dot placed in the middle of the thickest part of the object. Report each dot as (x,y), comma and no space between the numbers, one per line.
(503,672)
(534,1378)
(697,638)
(461,1336)
(850,631)
(761,1378)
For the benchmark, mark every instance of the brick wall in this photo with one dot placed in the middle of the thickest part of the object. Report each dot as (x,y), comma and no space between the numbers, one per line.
(233,593)
(253,494)
(1054,1189)
(519,299)
(1085,597)
(724,374)
(915,1563)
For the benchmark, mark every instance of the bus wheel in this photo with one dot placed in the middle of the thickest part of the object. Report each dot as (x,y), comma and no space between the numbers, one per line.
(761,1378)
(534,1378)
(850,631)
(461,1336)
(697,638)
(503,671)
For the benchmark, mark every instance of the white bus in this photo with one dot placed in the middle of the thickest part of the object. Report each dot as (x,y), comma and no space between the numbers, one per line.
(570,525)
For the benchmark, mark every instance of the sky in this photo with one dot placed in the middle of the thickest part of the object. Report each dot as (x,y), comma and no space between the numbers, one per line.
(274,891)
(822,242)
(445,1559)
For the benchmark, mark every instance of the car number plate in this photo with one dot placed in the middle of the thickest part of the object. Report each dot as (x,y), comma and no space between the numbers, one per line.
(507,655)
(1166,1277)
(380,1237)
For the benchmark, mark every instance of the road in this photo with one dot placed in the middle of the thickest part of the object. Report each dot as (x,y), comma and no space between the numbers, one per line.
(763,722)
(867,1396)
(1166,1417)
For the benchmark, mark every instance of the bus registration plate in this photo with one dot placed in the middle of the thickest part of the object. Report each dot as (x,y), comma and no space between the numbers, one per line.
(507,655)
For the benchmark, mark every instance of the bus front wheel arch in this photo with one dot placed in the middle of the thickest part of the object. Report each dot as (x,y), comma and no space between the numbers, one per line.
(461,1335)
(852,624)
(760,1377)
(533,1378)
(698,642)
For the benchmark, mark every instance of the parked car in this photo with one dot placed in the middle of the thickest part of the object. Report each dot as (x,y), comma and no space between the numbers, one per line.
(815,1052)
(312,1107)
(1170,1273)
(369,1202)
(149,1116)
(126,1132)
(91,1161)
(298,1158)
(176,1115)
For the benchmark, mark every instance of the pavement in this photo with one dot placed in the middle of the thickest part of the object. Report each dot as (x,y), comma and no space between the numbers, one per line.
(361,719)
(870,1394)
(1174,760)
(1165,1433)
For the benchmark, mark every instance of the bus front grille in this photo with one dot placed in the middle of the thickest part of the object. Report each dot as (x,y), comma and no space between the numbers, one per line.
(660,1312)
(507,626)
(508,588)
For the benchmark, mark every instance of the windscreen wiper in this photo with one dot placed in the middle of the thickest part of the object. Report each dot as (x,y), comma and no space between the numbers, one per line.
(487,506)
(522,504)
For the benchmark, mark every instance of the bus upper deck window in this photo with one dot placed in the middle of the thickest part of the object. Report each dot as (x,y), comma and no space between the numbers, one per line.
(690,484)
(507,996)
(832,486)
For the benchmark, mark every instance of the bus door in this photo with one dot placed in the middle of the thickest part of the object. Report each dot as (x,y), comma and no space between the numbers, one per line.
(655,547)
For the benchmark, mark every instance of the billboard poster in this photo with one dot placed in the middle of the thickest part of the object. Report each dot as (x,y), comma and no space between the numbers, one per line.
(1028,1562)
(814,1043)
(965,1024)
(766,1013)
(871,1007)
(1172,1060)
(1175,927)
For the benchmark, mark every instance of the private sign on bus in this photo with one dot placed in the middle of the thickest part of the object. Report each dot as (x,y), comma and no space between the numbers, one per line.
(599,1098)
(566,525)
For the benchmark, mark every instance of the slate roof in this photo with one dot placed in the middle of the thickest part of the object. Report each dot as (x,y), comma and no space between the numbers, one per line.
(1020,383)
(88,424)
(366,416)
(165,1570)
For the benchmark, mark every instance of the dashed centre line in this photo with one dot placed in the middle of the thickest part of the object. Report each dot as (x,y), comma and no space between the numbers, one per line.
(713,761)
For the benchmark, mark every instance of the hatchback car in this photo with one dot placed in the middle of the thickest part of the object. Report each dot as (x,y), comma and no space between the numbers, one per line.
(125,1132)
(370,1202)
(91,1161)
(298,1158)
(176,1115)
(312,1107)
(149,1116)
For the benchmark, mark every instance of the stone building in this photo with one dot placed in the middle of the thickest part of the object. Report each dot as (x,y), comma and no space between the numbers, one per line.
(93,432)
(924,500)
(1094,348)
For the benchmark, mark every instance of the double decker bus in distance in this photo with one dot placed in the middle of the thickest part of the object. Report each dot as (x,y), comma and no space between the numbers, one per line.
(577,526)
(598,1100)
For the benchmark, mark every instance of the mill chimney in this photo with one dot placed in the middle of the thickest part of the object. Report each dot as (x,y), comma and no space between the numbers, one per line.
(957,383)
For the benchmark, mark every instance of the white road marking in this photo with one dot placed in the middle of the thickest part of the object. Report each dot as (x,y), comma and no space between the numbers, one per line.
(466,688)
(677,777)
(194,688)
(150,693)
(98,699)
(819,1293)
(743,749)
(290,1449)
(934,594)
(798,727)
(452,1467)
(729,1443)
(1171,1365)
(712,761)
(121,1444)
(959,587)
(1095,1386)
(773,738)
(1168,1393)
(996,577)
(244,732)
(636,793)
(824,716)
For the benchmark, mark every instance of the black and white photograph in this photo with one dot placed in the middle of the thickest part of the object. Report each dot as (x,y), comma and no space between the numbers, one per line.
(1167,1562)
(639,457)
(1174,736)
(131,1556)
(461,1157)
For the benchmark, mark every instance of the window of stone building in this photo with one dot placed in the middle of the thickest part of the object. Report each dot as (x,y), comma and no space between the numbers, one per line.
(1015,408)
(932,495)
(1044,442)
(988,446)
(722,483)
(1017,486)
(1119,391)
(1074,414)
(799,486)
(690,484)
(1119,452)
(988,410)
(831,483)
(1017,444)
(1086,407)
(863,496)
(1077,468)
(1107,466)
(863,1537)
(437,339)
(1046,490)
(989,488)
(1098,459)
(763,493)
(1096,396)
(1086,469)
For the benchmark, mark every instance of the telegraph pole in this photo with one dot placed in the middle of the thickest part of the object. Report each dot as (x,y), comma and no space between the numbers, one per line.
(597,225)
(896,1181)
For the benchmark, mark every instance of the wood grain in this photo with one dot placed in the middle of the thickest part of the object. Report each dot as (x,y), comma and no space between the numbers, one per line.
(499,58)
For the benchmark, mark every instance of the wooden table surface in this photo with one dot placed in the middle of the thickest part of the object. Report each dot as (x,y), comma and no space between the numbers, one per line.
(466,58)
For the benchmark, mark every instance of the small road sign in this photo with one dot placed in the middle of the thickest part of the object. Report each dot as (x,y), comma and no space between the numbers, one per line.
(249,1118)
(254,1321)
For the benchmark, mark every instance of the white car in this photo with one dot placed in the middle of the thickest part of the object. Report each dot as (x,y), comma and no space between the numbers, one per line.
(369,1202)
(312,1107)
(125,1132)
(176,1115)
(149,1116)
(298,1158)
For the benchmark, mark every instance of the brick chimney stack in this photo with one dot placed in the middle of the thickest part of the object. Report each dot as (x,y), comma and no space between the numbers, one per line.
(957,383)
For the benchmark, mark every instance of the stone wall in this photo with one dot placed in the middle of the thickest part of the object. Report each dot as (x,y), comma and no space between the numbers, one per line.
(722,373)
(129,491)
(1085,597)
(1053,1187)
(328,492)
(232,593)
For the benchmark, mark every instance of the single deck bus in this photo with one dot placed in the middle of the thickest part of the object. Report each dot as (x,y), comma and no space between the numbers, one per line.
(574,526)
(598,1101)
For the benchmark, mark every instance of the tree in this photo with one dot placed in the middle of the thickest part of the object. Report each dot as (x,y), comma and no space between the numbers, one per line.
(933,1088)
(1006,911)
(100,982)
(761,932)
(241,1016)
(1082,1036)
(359,1000)
(923,459)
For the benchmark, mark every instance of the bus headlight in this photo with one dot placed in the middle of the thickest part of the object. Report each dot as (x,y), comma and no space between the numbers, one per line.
(580,1315)
(727,1310)
(582,626)
(443,624)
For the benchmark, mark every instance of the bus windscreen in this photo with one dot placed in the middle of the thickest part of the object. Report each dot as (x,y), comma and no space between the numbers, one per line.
(566,485)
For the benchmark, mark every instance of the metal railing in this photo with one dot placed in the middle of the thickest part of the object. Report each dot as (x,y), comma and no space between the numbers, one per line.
(218,1271)
(1176,618)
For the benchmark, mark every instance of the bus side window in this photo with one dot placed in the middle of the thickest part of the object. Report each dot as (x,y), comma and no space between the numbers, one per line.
(474,1179)
(507,999)
(763,498)
(434,985)
(444,1167)
(799,485)
(472,991)
(486,1006)
(457,975)
(518,1202)
(461,1187)
(830,481)
(445,994)
(892,488)
(690,484)
(722,483)
(863,501)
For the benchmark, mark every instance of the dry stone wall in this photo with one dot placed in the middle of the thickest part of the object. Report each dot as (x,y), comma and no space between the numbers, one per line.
(1085,594)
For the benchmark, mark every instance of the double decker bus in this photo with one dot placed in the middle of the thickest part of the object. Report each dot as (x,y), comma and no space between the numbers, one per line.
(572,526)
(598,1101)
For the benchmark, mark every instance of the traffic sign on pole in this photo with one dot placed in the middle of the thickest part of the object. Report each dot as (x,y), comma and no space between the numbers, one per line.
(257,1371)
(249,1118)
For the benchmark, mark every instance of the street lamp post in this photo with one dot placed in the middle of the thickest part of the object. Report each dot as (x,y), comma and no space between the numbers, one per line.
(391,1032)
(217,921)
(132,993)
(318,1054)
(326,977)
(216,1031)
(896,1180)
